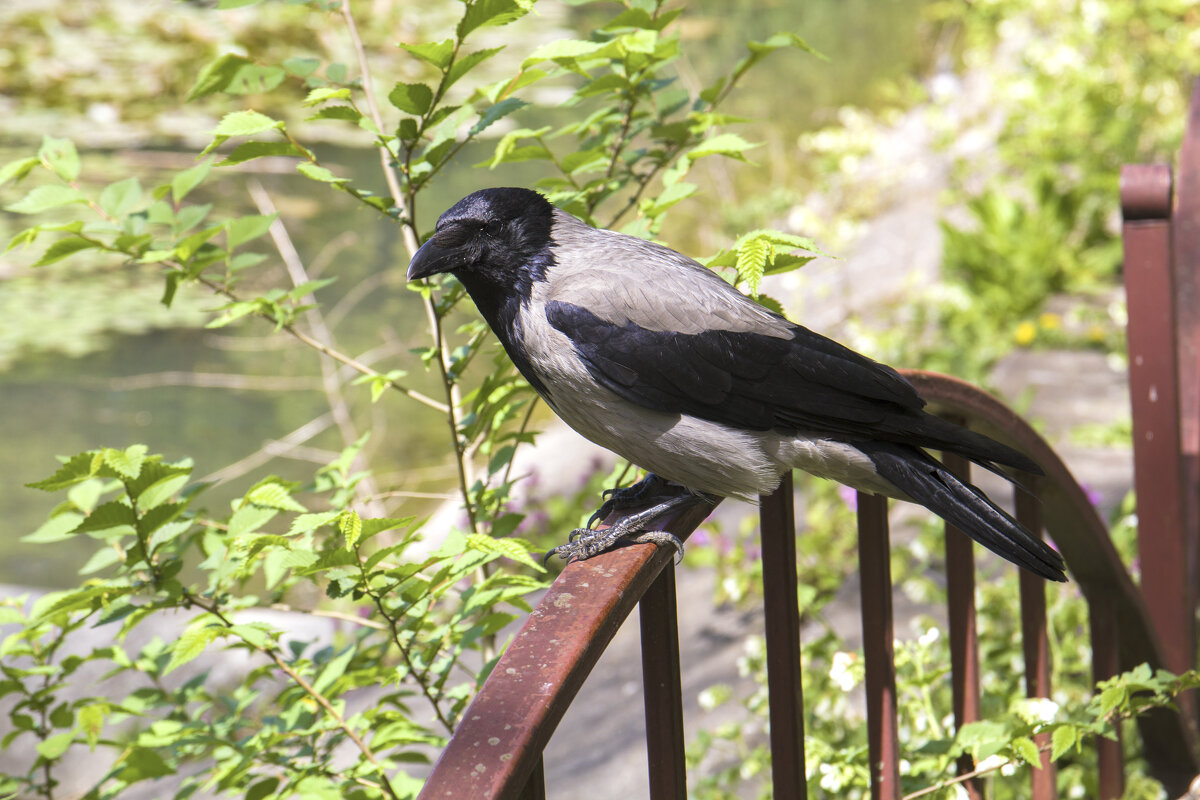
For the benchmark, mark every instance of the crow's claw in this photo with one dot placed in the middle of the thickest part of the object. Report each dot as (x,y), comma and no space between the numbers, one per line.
(650,487)
(583,543)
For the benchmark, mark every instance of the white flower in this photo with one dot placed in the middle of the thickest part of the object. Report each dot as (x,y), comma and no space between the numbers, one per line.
(929,637)
(840,671)
(991,762)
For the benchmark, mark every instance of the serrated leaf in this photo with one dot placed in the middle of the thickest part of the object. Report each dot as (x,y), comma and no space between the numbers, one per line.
(119,198)
(140,764)
(436,53)
(324,93)
(350,525)
(1064,738)
(189,179)
(86,598)
(107,516)
(18,169)
(565,49)
(61,156)
(78,468)
(310,522)
(190,644)
(333,670)
(54,746)
(127,462)
(56,529)
(45,197)
(491,13)
(512,548)
(63,248)
(91,721)
(247,151)
(243,229)
(1024,747)
(752,259)
(245,123)
(411,98)
(318,173)
(723,144)
(496,112)
(273,495)
(217,74)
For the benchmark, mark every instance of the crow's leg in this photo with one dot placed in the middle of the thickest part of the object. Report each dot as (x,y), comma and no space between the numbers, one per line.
(585,542)
(648,489)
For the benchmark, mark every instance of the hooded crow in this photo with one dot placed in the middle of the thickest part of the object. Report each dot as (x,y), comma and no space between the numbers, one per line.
(651,355)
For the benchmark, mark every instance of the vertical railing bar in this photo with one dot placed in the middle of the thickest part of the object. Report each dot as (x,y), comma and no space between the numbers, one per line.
(786,696)
(1035,640)
(535,787)
(1105,664)
(875,569)
(662,688)
(964,635)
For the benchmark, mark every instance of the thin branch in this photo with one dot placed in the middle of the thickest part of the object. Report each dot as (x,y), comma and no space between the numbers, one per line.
(321,331)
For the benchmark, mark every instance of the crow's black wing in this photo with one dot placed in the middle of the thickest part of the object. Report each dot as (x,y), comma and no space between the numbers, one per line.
(803,383)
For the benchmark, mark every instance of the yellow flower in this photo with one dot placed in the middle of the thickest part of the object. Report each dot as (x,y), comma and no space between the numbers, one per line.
(1049,321)
(1026,333)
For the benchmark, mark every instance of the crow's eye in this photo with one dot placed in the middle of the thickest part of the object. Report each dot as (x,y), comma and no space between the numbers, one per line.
(493,228)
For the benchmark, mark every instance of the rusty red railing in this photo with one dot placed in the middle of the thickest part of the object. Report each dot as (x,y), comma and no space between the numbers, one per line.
(496,750)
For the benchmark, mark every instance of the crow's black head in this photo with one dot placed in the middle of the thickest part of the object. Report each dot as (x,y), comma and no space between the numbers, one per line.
(498,237)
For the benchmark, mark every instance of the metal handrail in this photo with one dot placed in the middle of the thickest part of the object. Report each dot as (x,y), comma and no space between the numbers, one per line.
(496,751)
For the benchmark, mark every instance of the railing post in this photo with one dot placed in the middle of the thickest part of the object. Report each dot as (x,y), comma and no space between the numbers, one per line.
(875,570)
(1163,546)
(1035,641)
(786,696)
(662,689)
(1106,662)
(964,637)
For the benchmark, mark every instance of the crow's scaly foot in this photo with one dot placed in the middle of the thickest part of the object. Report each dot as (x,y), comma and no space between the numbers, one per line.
(649,488)
(583,543)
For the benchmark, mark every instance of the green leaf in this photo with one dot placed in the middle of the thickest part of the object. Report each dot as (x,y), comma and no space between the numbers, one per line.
(411,98)
(310,522)
(90,597)
(250,518)
(496,112)
(436,53)
(56,529)
(127,462)
(318,173)
(79,467)
(54,746)
(217,74)
(91,721)
(752,259)
(1064,738)
(63,248)
(245,123)
(247,151)
(323,93)
(566,49)
(118,199)
(724,144)
(189,179)
(489,13)
(191,643)
(273,495)
(60,155)
(349,524)
(516,549)
(333,670)
(140,764)
(18,169)
(1024,747)
(107,516)
(45,197)
(243,229)
(262,789)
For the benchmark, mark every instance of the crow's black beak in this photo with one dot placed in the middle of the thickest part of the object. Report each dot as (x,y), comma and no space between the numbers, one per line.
(430,260)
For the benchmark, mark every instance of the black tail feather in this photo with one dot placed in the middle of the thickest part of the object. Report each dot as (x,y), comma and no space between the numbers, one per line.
(925,481)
